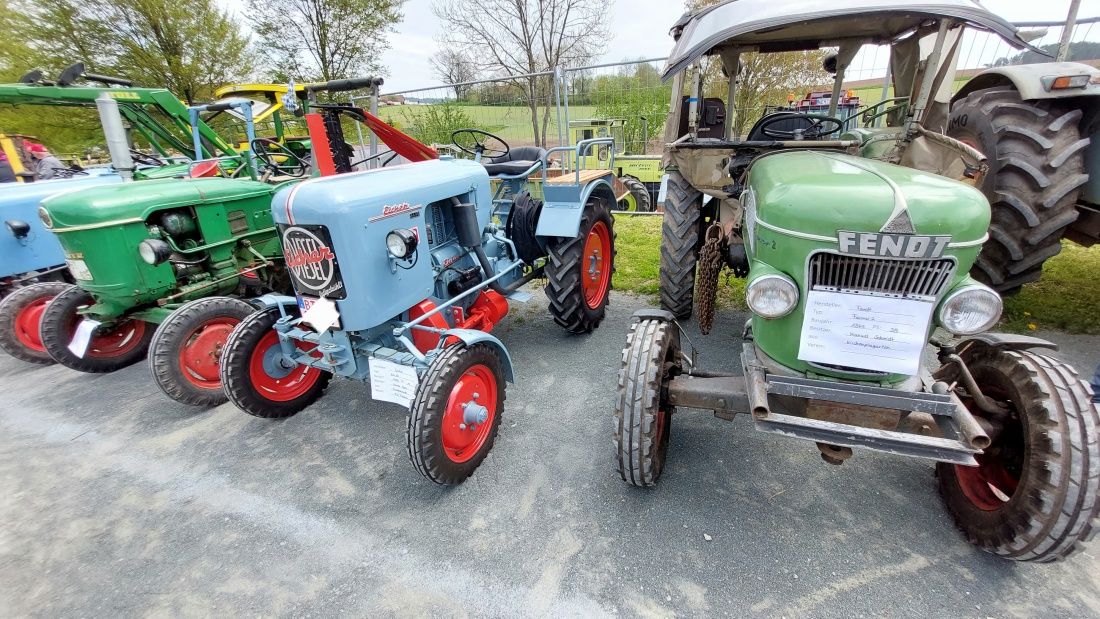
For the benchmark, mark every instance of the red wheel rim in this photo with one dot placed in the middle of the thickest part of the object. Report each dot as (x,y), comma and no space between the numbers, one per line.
(202,350)
(462,441)
(111,342)
(27,322)
(270,380)
(988,486)
(596,265)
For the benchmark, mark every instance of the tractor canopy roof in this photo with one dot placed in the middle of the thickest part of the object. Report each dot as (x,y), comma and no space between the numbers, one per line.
(794,25)
(267,99)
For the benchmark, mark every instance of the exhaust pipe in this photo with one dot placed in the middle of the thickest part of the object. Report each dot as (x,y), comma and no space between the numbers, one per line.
(115,132)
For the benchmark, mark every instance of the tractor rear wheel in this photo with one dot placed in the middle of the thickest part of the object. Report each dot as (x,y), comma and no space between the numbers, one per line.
(455,415)
(680,235)
(579,270)
(110,348)
(1035,494)
(21,318)
(643,416)
(1036,170)
(185,353)
(638,200)
(258,378)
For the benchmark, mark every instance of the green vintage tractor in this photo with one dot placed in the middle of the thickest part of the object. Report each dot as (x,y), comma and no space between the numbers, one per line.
(855,269)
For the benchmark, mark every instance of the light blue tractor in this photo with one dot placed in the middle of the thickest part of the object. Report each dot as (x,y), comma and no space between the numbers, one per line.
(402,272)
(32,264)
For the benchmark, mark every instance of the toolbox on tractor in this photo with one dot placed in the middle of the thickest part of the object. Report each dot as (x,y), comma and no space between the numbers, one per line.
(855,265)
(401,273)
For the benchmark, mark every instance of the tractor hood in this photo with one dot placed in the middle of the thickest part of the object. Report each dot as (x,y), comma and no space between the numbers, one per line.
(127,203)
(811,195)
(791,25)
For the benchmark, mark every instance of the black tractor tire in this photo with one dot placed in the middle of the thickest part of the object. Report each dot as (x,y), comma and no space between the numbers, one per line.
(680,236)
(578,294)
(19,329)
(1036,170)
(643,202)
(110,349)
(246,381)
(183,371)
(643,416)
(436,407)
(1044,465)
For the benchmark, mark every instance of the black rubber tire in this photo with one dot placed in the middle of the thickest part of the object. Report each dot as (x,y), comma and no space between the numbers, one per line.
(236,375)
(1055,507)
(11,307)
(1036,170)
(565,267)
(642,436)
(170,338)
(642,200)
(56,336)
(424,424)
(680,236)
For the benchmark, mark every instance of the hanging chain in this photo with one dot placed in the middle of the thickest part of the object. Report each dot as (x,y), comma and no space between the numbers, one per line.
(706,286)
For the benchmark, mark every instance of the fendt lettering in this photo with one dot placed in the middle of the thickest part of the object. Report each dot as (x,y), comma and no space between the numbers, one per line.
(885,245)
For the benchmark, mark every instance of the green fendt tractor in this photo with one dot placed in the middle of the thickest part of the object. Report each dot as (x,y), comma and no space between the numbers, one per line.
(854,266)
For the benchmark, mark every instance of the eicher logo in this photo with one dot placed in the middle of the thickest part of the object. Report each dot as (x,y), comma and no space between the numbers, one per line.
(309,259)
(885,245)
(396,209)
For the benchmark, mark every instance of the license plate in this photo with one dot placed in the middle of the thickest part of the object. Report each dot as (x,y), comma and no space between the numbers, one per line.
(304,303)
(331,319)
(79,270)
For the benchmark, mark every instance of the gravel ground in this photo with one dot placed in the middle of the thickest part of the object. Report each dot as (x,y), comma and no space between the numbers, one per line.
(117,502)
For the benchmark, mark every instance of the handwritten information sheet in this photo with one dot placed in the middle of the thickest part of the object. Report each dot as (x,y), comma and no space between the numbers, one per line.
(392,382)
(871,333)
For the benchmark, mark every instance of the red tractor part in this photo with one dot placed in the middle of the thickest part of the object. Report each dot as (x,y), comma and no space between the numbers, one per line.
(489,308)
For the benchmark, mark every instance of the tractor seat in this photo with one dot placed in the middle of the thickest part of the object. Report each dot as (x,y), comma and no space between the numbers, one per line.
(517,161)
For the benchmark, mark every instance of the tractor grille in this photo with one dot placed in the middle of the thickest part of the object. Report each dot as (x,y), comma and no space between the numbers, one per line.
(927,278)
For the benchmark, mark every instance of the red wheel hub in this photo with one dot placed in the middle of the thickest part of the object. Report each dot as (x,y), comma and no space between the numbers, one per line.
(27,322)
(989,486)
(475,390)
(596,265)
(202,352)
(110,342)
(272,377)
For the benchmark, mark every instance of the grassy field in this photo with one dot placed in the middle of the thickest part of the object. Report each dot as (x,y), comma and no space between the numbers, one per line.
(1067,298)
(511,123)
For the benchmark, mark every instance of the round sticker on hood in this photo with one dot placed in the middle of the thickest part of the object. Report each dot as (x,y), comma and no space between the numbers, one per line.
(310,259)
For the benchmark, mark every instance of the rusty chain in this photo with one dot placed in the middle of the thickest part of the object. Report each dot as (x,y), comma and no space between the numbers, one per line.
(706,286)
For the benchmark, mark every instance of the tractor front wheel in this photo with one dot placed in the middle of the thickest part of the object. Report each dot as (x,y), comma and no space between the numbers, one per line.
(638,200)
(455,415)
(643,416)
(185,354)
(259,378)
(579,270)
(680,240)
(1034,495)
(21,318)
(109,348)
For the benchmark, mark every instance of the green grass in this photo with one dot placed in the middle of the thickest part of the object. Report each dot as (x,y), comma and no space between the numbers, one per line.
(511,122)
(1067,298)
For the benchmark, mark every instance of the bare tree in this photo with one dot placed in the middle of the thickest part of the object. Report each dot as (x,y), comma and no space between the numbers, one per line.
(454,66)
(522,37)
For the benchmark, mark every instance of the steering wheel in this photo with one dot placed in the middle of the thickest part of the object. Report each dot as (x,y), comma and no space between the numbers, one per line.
(485,147)
(266,150)
(817,128)
(145,159)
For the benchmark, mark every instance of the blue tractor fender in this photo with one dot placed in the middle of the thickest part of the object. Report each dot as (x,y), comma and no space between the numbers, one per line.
(271,300)
(564,207)
(472,336)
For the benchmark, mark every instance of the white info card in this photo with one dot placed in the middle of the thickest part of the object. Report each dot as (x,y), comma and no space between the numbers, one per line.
(880,334)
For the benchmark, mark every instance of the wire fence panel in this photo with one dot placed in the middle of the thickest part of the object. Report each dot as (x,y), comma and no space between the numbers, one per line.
(628,92)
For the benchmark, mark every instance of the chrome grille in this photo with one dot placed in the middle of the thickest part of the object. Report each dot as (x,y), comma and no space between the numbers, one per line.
(926,278)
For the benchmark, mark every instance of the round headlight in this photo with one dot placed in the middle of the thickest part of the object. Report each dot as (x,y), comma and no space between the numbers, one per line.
(44,215)
(970,310)
(401,243)
(771,296)
(154,251)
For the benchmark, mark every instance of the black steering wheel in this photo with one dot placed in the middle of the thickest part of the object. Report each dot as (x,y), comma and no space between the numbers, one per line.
(485,147)
(145,158)
(816,129)
(266,150)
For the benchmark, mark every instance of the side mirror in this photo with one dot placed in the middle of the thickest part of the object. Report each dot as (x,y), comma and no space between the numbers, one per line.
(829,63)
(19,229)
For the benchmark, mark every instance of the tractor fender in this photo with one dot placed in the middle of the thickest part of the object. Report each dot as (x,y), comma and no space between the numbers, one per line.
(1005,341)
(561,214)
(1032,81)
(270,300)
(473,336)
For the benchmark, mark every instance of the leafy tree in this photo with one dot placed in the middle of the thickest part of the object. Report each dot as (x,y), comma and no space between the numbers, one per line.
(434,124)
(321,40)
(633,96)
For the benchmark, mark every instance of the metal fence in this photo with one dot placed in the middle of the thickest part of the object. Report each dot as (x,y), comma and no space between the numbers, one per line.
(553,108)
